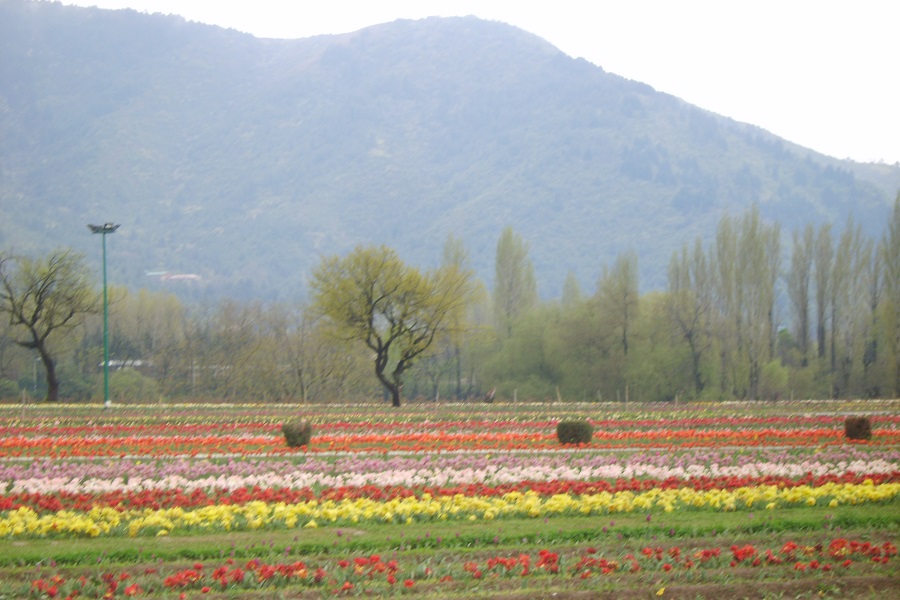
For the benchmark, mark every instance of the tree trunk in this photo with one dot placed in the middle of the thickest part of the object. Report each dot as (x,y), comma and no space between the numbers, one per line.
(393,387)
(457,354)
(395,395)
(753,382)
(695,365)
(52,379)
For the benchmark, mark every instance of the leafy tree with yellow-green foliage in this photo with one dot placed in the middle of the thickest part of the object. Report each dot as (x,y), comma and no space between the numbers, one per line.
(396,310)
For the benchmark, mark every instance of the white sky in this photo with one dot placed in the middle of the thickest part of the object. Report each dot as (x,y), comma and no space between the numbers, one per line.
(822,73)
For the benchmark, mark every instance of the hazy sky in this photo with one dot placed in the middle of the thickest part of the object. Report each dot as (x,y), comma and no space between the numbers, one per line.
(822,73)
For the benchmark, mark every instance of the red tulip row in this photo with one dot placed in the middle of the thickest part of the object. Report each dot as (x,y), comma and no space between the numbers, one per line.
(374,573)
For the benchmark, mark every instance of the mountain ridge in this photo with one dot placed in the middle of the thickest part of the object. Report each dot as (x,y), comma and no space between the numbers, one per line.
(244,159)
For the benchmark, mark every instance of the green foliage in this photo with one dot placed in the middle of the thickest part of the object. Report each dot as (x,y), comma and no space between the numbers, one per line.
(574,432)
(9,389)
(297,433)
(572,344)
(525,365)
(808,382)
(660,369)
(130,385)
(74,386)
(857,428)
(397,311)
(773,381)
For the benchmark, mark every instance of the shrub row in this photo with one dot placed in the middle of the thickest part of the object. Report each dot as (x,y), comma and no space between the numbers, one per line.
(298,433)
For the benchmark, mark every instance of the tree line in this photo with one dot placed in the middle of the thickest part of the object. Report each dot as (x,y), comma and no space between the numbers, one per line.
(755,313)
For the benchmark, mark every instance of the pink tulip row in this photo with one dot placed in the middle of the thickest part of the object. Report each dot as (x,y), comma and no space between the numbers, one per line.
(431,470)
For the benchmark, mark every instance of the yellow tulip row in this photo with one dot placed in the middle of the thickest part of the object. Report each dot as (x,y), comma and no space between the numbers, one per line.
(105,521)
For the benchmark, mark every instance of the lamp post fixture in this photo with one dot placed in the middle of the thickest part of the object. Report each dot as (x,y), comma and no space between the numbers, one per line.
(103,230)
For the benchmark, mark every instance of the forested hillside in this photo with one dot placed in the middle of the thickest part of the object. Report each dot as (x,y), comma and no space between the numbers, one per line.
(240,161)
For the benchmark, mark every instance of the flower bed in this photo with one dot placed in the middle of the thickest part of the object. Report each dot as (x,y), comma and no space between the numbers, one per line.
(257,514)
(410,432)
(205,472)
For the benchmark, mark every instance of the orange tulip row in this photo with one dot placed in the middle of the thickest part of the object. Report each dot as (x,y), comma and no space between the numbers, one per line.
(155,445)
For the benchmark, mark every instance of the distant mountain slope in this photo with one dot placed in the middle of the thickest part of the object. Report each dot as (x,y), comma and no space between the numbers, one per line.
(242,160)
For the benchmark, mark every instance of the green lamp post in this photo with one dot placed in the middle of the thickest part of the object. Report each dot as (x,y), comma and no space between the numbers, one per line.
(103,230)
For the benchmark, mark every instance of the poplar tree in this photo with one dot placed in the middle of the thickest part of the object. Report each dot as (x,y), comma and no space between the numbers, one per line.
(823,267)
(455,255)
(748,257)
(515,289)
(799,288)
(617,304)
(849,283)
(890,253)
(617,292)
(759,261)
(689,303)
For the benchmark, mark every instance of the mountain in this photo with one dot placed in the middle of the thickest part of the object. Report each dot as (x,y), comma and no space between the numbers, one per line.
(242,160)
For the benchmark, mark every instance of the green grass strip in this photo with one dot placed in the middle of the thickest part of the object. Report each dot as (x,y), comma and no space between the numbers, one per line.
(458,536)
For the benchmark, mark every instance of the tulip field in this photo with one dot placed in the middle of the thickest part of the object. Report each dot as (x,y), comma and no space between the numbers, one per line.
(449,500)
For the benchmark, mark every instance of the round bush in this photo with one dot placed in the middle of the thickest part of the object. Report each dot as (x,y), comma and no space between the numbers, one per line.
(574,432)
(297,433)
(857,428)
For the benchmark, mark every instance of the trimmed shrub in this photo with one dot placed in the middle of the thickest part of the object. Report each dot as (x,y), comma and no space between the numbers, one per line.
(858,428)
(297,433)
(574,432)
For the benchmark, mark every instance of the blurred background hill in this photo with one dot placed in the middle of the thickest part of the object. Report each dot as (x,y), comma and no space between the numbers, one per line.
(234,162)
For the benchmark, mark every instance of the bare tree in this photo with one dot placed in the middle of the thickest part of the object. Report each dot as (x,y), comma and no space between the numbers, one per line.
(45,298)
(689,304)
